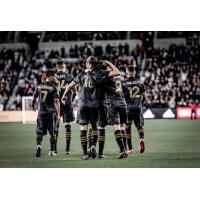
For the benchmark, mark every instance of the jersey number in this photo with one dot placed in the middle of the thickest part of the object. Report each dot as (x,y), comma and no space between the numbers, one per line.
(44,95)
(61,84)
(88,84)
(118,85)
(133,91)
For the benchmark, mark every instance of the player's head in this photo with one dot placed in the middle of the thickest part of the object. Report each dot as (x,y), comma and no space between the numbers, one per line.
(50,75)
(60,65)
(122,72)
(91,62)
(131,70)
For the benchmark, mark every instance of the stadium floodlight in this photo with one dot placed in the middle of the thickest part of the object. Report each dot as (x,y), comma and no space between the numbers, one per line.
(28,116)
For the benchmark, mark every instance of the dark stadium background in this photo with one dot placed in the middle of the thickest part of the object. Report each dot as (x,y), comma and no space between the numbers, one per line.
(168,62)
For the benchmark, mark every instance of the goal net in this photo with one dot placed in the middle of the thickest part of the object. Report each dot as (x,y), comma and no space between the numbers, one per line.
(28,116)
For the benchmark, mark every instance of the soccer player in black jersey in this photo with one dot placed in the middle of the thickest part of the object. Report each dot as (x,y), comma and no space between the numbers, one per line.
(48,111)
(66,110)
(88,103)
(134,92)
(117,107)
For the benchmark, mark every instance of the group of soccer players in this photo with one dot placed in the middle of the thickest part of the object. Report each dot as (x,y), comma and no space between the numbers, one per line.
(103,99)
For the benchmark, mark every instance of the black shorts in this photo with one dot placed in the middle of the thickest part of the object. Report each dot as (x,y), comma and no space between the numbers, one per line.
(136,116)
(103,115)
(44,125)
(86,115)
(68,115)
(117,115)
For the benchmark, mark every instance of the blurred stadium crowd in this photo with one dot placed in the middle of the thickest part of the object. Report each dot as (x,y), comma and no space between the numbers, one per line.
(171,76)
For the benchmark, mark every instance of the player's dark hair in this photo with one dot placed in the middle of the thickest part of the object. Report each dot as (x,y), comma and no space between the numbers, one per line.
(59,61)
(131,68)
(96,64)
(92,60)
(50,72)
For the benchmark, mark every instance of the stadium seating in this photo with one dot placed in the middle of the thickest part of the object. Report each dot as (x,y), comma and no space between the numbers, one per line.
(171,75)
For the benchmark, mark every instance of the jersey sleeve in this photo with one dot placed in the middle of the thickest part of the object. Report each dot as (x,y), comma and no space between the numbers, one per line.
(142,88)
(36,93)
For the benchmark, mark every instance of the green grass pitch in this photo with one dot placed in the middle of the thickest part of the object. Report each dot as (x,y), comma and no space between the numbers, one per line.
(169,143)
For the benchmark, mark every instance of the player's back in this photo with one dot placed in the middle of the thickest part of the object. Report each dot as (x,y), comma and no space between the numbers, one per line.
(115,99)
(86,90)
(46,93)
(133,90)
(63,79)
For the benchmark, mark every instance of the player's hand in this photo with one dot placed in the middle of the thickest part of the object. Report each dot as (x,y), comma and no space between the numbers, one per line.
(63,100)
(58,118)
(119,92)
(106,62)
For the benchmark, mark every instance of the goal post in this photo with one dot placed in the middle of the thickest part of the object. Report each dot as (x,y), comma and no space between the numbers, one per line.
(28,116)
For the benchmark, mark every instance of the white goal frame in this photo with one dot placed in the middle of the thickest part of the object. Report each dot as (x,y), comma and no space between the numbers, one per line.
(24,111)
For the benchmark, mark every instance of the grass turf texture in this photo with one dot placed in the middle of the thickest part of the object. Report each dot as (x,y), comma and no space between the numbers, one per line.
(169,143)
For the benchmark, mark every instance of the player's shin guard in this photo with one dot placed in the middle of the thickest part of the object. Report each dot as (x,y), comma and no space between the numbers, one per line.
(124,138)
(90,138)
(101,141)
(141,133)
(83,137)
(68,137)
(141,144)
(118,137)
(39,139)
(56,139)
(52,142)
(128,137)
(94,137)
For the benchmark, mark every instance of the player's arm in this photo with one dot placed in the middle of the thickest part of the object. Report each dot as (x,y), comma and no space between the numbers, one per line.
(67,90)
(57,105)
(144,97)
(35,96)
(73,93)
(114,71)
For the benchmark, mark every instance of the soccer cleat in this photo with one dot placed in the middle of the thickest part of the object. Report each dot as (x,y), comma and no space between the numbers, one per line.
(93,152)
(52,153)
(101,157)
(85,157)
(38,151)
(130,151)
(141,146)
(123,154)
(89,152)
(67,152)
